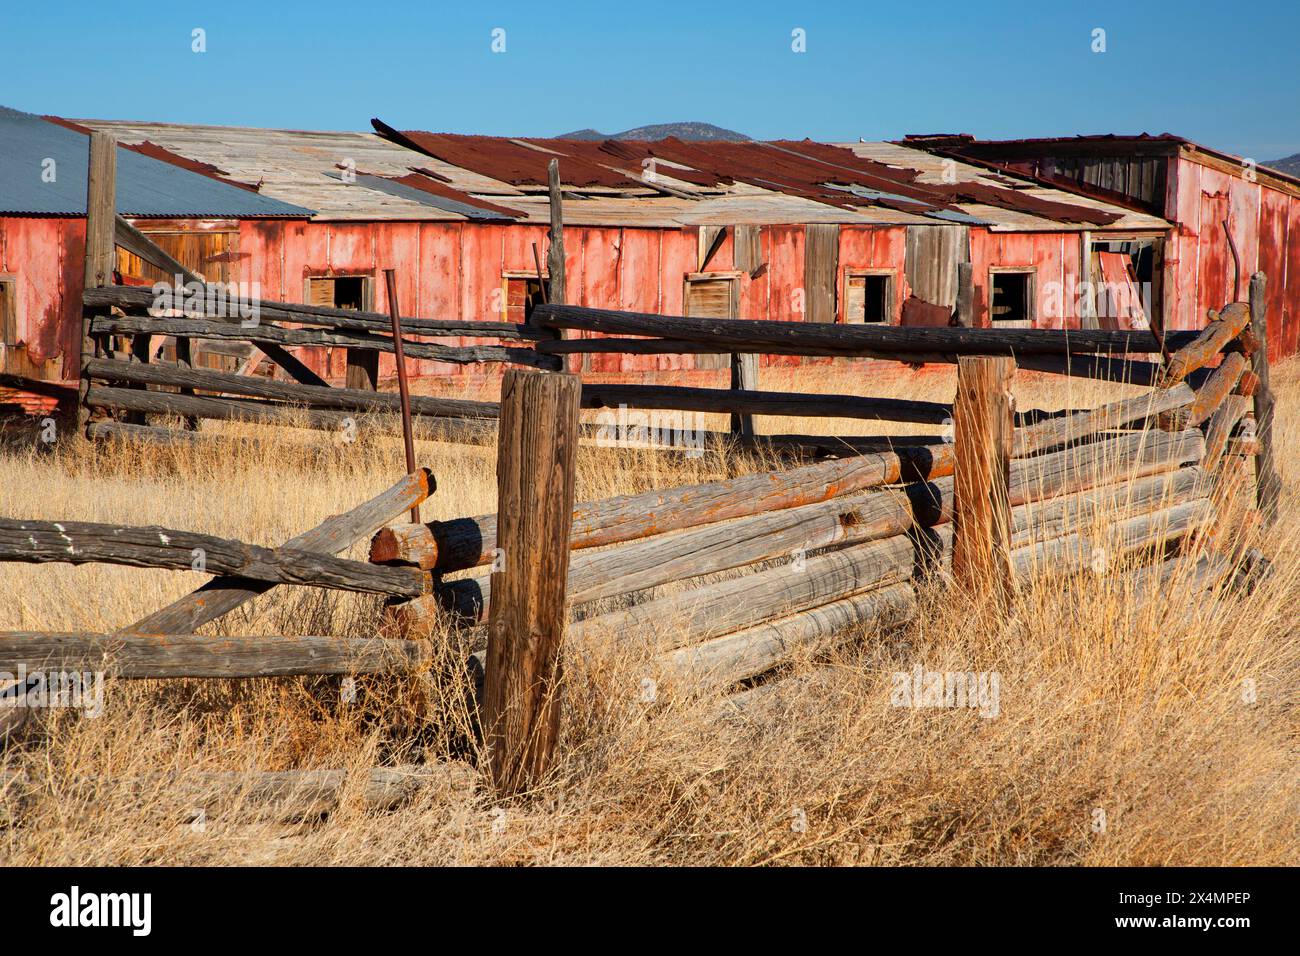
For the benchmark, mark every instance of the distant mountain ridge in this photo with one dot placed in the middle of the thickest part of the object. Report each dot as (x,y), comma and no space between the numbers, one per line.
(688,131)
(1289,165)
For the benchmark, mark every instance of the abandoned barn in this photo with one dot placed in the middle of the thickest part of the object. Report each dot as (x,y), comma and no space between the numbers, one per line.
(912,233)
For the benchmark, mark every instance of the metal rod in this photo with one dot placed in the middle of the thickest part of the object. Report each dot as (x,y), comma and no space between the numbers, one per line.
(541,279)
(390,277)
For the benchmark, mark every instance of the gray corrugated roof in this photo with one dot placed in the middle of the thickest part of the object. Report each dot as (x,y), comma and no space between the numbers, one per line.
(145,186)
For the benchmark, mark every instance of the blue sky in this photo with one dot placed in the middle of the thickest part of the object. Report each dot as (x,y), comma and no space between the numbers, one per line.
(1227,76)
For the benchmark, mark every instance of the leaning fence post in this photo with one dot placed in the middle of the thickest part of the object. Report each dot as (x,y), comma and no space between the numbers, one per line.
(101,249)
(983,432)
(1268,487)
(536,447)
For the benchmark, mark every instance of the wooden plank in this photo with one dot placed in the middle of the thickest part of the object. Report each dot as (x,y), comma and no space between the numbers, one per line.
(470,542)
(89,542)
(332,536)
(749,402)
(159,656)
(536,452)
(982,425)
(260,386)
(752,335)
(101,210)
(1067,428)
(744,378)
(965,311)
(265,334)
(135,298)
(821,271)
(1268,486)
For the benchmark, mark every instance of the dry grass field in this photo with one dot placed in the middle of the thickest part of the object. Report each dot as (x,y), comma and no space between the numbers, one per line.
(1124,734)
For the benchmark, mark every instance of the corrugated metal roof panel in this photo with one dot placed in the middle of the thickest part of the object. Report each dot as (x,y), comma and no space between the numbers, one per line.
(43,173)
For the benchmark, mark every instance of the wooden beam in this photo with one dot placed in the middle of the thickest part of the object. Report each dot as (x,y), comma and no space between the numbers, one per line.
(1217,387)
(1268,486)
(101,210)
(744,378)
(1209,342)
(982,424)
(536,453)
(334,535)
(1067,428)
(204,655)
(89,542)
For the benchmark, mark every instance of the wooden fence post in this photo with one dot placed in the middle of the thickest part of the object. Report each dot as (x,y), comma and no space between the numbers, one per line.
(536,449)
(1268,487)
(744,377)
(101,251)
(984,429)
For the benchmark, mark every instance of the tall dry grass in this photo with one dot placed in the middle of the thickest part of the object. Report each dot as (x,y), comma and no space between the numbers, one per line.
(1124,731)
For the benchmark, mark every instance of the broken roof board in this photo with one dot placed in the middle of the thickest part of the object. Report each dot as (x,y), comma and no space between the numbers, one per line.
(45,175)
(303,167)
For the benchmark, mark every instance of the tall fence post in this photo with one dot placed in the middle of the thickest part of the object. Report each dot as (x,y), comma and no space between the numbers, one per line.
(1268,487)
(744,377)
(984,429)
(536,449)
(101,250)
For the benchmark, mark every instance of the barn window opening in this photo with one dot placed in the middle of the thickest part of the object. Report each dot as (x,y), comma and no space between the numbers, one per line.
(339,292)
(523,294)
(1011,300)
(709,296)
(869,298)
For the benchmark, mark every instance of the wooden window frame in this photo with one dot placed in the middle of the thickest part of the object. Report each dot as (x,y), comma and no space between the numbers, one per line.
(9,336)
(526,275)
(893,316)
(367,286)
(1031,296)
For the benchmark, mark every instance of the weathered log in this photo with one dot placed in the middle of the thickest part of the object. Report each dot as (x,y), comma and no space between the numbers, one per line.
(1268,486)
(1206,344)
(1125,371)
(335,534)
(203,655)
(749,335)
(1219,429)
(265,333)
(140,298)
(1211,395)
(649,562)
(291,392)
(711,610)
(536,451)
(469,542)
(736,401)
(983,426)
(1068,428)
(755,650)
(156,435)
(88,542)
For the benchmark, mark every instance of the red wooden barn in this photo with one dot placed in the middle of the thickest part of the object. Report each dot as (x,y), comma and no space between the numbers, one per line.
(790,230)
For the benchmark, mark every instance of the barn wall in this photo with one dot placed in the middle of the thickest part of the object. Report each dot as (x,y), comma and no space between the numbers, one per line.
(1265,225)
(1054,256)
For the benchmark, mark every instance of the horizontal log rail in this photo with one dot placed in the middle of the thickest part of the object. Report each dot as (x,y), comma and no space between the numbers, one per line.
(88,542)
(203,655)
(140,298)
(258,386)
(264,332)
(749,335)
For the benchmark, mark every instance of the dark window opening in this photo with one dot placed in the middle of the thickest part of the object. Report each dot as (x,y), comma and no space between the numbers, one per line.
(869,299)
(339,292)
(522,296)
(1012,298)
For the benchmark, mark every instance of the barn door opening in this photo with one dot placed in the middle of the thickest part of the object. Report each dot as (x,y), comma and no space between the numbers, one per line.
(1127,274)
(349,292)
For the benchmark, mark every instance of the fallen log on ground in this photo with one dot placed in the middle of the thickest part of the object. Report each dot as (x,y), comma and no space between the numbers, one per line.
(89,542)
(335,534)
(162,656)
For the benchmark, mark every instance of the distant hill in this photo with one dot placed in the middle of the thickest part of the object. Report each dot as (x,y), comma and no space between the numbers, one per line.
(1290,165)
(696,131)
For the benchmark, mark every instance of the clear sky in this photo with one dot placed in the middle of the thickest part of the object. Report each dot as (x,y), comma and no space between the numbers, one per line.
(1226,75)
